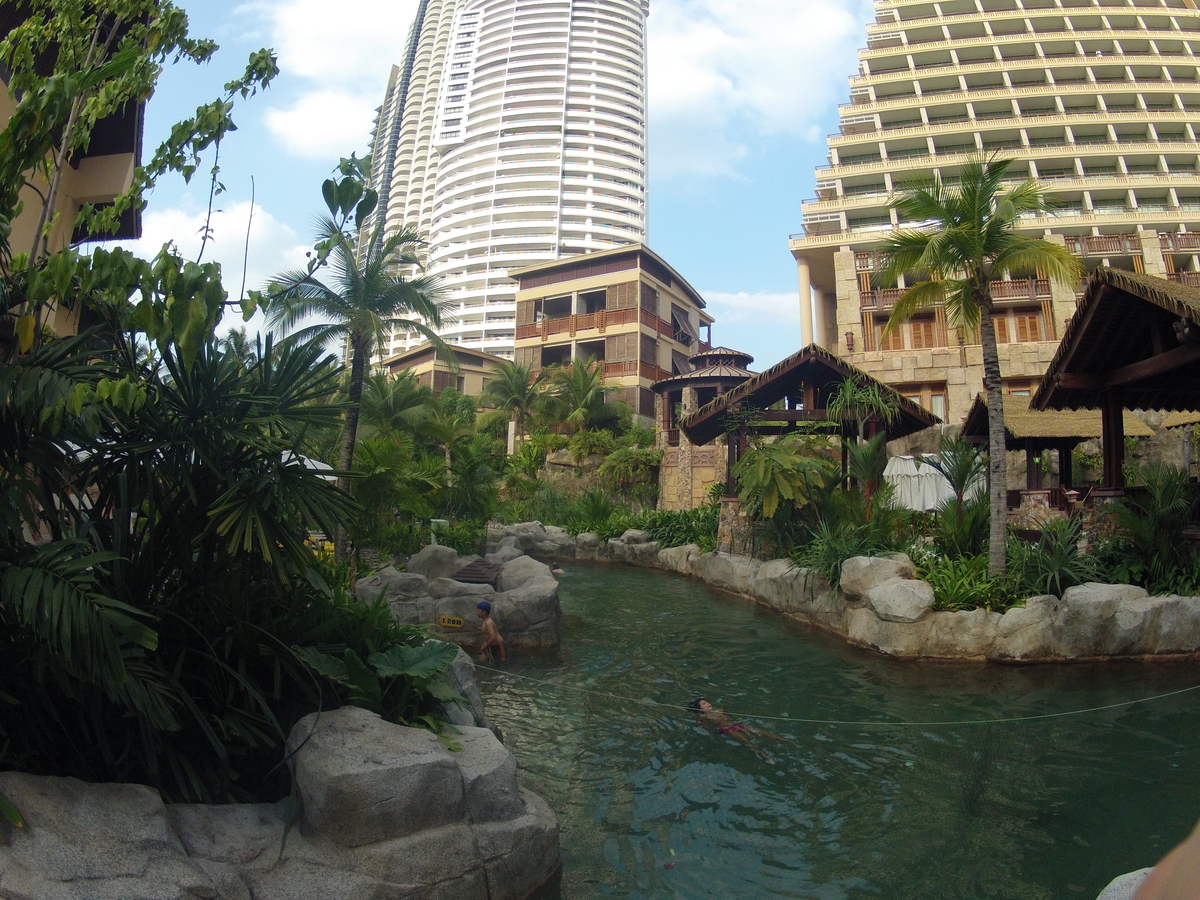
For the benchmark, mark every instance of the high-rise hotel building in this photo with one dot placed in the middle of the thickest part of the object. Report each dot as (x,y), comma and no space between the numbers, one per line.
(1098,99)
(513,132)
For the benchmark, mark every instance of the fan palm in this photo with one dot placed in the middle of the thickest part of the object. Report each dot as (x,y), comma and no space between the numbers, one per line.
(964,237)
(394,405)
(855,402)
(365,293)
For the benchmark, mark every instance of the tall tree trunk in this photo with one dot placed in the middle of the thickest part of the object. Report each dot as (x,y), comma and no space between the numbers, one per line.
(997,455)
(359,352)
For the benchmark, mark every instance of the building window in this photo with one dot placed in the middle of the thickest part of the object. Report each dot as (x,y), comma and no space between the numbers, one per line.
(931,396)
(923,333)
(1018,326)
(888,340)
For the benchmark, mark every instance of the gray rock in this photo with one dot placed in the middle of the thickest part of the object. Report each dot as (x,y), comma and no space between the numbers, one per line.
(898,639)
(722,570)
(639,553)
(391,585)
(558,535)
(589,540)
(489,774)
(363,780)
(527,534)
(1023,633)
(900,600)
(435,561)
(448,587)
(678,559)
(518,571)
(93,842)
(861,573)
(1123,887)
(963,634)
(1087,627)
(529,616)
(504,554)
(635,536)
(461,676)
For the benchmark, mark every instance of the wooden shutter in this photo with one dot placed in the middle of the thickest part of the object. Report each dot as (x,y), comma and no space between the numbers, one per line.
(1001,326)
(922,334)
(525,312)
(893,340)
(1027,328)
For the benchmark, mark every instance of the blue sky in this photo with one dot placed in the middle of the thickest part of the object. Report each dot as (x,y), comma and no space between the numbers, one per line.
(741,96)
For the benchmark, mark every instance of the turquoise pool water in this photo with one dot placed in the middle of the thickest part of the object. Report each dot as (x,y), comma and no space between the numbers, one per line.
(651,806)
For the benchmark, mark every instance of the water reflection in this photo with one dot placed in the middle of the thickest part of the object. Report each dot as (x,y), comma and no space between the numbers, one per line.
(653,806)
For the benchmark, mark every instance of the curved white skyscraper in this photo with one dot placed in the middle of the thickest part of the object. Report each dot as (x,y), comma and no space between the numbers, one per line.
(513,132)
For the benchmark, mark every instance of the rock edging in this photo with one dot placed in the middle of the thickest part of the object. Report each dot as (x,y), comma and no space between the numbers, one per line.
(385,811)
(881,605)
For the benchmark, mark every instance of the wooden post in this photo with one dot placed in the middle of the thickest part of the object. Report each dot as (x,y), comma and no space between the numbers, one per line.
(1065,476)
(1112,417)
(1032,469)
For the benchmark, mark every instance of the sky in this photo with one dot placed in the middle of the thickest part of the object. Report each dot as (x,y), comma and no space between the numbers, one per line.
(741,97)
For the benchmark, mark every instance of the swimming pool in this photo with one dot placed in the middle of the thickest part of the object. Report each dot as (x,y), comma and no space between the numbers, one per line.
(651,806)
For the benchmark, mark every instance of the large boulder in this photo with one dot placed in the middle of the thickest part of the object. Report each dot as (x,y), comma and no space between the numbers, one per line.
(504,554)
(529,616)
(391,584)
(785,587)
(461,677)
(861,573)
(962,634)
(448,587)
(363,780)
(900,600)
(634,553)
(557,543)
(678,559)
(518,571)
(590,545)
(722,570)
(1023,633)
(1087,625)
(527,534)
(635,536)
(93,842)
(436,561)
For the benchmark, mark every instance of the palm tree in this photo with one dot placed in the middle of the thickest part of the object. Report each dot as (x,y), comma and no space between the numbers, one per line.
(516,392)
(854,402)
(579,391)
(366,292)
(394,405)
(964,237)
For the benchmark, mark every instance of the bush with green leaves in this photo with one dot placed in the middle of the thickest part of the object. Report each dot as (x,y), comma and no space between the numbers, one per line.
(963,583)
(961,526)
(1053,564)
(629,470)
(591,442)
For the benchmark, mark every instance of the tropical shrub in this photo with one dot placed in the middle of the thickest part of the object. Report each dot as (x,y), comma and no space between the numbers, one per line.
(962,582)
(598,442)
(1053,564)
(961,526)
(629,470)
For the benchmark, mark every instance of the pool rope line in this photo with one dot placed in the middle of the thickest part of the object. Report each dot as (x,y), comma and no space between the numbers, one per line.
(850,722)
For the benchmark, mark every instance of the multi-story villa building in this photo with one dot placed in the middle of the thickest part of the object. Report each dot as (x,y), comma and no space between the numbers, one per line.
(513,132)
(1098,99)
(625,309)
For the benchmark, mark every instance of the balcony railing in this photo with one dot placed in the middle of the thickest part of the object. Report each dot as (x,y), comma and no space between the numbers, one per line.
(599,321)
(1104,244)
(1191,279)
(1177,241)
(1016,289)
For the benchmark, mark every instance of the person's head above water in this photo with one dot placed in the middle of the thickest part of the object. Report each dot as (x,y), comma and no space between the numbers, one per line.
(483,606)
(700,705)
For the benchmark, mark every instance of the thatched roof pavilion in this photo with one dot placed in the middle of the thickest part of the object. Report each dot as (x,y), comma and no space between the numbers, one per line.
(1133,343)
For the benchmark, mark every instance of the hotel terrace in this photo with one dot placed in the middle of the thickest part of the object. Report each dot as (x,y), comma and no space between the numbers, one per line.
(1098,99)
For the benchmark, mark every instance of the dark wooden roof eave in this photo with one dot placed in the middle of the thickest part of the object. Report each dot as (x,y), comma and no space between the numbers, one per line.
(707,423)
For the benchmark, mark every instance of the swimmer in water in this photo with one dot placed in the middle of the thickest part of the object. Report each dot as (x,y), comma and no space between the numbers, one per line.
(718,721)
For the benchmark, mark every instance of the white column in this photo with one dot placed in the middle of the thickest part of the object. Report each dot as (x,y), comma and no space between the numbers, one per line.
(820,332)
(806,314)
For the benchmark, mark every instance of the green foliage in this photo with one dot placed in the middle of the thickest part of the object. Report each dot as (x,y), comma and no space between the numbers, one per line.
(1052,565)
(627,468)
(961,528)
(831,545)
(1147,547)
(961,583)
(598,442)
(770,473)
(577,395)
(858,402)
(962,464)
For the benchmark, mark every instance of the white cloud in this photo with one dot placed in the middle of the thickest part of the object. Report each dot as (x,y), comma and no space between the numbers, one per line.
(764,324)
(325,124)
(726,75)
(274,245)
(341,64)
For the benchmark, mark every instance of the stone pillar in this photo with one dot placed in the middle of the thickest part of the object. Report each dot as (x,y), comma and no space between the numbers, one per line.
(806,315)
(847,304)
(1152,256)
(1062,299)
(684,477)
(733,528)
(820,331)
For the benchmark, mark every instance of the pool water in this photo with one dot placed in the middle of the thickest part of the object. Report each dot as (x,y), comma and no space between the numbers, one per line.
(653,806)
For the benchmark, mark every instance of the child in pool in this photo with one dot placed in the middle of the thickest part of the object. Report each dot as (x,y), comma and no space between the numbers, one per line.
(492,648)
(718,720)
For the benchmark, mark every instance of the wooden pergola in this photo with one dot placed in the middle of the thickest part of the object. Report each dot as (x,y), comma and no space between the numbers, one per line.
(1035,432)
(1133,343)
(793,391)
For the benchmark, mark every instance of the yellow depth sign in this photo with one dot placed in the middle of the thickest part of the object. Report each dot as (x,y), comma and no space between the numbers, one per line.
(451,621)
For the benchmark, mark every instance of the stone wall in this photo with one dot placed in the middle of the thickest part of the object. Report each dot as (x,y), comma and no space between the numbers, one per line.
(385,812)
(881,606)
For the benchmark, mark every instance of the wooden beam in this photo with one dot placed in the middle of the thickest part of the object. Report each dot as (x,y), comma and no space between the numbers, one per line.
(1175,358)
(1112,417)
